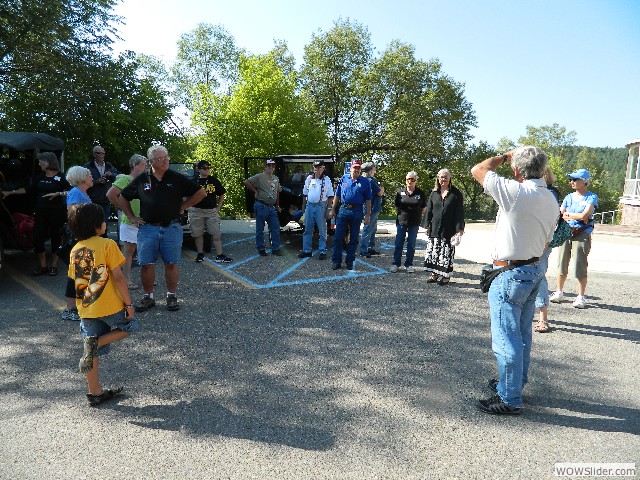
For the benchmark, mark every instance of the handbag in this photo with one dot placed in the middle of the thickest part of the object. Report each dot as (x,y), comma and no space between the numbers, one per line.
(489,273)
(561,234)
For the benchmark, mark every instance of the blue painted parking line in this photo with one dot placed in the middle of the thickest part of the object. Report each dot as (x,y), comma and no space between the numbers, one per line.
(279,280)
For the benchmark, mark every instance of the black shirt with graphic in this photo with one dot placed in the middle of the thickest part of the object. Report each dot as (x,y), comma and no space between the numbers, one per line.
(214,189)
(409,207)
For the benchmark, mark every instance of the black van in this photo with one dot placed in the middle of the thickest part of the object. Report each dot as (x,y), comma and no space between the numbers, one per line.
(292,170)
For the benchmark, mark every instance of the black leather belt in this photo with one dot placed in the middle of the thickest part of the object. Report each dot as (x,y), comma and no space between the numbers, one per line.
(164,224)
(350,206)
(517,263)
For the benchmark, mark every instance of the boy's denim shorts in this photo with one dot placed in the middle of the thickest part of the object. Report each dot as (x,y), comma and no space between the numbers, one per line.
(154,240)
(91,327)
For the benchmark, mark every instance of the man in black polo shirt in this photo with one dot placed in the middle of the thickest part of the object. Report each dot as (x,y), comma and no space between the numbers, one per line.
(162,199)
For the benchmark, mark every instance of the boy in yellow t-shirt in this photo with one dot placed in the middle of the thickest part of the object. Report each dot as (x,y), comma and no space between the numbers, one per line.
(102,297)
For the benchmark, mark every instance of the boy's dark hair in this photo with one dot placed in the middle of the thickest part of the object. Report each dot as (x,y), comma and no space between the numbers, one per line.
(85,219)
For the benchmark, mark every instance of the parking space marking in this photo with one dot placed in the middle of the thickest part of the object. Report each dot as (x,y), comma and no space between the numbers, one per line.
(34,287)
(228,270)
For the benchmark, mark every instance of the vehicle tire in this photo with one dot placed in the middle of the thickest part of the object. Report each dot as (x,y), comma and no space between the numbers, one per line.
(1,254)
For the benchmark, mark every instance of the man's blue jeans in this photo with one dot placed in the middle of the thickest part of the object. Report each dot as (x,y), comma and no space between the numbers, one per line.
(542,299)
(511,303)
(411,233)
(266,213)
(368,240)
(315,214)
(350,217)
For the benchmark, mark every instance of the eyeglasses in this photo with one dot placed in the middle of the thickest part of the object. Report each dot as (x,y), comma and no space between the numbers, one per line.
(161,159)
(355,167)
(99,153)
(205,168)
(574,180)
(410,179)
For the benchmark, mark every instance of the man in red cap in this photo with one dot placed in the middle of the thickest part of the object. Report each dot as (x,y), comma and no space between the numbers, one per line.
(352,193)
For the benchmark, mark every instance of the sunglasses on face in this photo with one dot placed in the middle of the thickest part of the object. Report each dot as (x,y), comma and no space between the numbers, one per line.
(410,180)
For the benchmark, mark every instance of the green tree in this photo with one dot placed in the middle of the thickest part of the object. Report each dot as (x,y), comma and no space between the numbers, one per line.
(50,36)
(207,60)
(396,108)
(263,115)
(332,73)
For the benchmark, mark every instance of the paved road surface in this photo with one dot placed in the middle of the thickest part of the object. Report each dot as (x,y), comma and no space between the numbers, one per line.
(355,377)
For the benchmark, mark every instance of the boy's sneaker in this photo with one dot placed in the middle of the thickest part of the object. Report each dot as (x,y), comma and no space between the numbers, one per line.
(373,252)
(90,348)
(410,270)
(402,268)
(145,304)
(200,258)
(496,406)
(172,303)
(393,269)
(70,314)
(322,256)
(556,297)
(366,254)
(107,394)
(223,259)
(580,302)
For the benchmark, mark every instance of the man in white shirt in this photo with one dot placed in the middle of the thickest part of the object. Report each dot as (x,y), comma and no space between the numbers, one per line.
(317,193)
(526,219)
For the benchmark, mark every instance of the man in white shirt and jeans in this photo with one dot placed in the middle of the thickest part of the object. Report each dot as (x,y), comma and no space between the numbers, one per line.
(526,219)
(316,202)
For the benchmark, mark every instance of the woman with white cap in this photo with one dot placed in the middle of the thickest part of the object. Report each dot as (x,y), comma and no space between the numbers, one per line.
(577,210)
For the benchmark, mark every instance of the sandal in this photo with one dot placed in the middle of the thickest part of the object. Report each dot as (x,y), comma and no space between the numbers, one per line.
(433,278)
(542,327)
(444,281)
(107,394)
(40,271)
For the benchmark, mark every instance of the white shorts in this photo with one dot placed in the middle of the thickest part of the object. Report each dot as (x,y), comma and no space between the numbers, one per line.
(128,233)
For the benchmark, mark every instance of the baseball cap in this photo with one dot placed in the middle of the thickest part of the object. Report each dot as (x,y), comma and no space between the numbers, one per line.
(202,164)
(581,173)
(356,162)
(271,161)
(318,163)
(368,166)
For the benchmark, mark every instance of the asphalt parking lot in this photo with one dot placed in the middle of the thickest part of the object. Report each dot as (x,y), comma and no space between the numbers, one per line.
(277,367)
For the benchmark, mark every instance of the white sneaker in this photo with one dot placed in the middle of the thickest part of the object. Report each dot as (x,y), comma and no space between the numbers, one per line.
(410,270)
(580,302)
(556,297)
(393,269)
(402,268)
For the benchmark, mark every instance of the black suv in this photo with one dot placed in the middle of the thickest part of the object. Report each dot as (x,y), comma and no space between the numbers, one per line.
(292,170)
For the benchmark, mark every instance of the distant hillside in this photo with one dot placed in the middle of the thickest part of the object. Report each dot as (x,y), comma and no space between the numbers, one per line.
(612,160)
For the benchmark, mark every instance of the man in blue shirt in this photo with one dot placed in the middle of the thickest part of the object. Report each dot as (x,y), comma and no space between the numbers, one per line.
(352,193)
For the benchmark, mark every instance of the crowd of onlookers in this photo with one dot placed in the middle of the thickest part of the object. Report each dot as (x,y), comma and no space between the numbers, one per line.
(71,212)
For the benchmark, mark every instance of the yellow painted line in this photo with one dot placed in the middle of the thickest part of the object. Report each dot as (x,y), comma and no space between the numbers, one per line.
(222,272)
(34,287)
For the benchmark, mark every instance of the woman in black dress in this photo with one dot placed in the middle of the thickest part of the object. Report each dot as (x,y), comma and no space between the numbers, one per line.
(50,188)
(444,220)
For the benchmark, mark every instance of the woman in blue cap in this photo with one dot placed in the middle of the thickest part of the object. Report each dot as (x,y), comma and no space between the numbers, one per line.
(577,210)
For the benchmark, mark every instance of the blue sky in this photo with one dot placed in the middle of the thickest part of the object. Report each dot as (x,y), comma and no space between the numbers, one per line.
(571,62)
